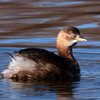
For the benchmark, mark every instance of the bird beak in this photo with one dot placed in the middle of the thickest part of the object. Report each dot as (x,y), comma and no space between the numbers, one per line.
(80,38)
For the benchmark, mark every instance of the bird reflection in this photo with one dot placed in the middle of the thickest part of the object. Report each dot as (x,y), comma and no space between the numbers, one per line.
(62,90)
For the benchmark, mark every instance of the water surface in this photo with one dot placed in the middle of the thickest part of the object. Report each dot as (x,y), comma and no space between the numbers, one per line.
(28,23)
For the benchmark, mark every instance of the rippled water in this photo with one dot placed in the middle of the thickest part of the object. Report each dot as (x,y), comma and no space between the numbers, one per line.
(36,23)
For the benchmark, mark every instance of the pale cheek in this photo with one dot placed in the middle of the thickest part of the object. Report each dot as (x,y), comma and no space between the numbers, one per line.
(70,43)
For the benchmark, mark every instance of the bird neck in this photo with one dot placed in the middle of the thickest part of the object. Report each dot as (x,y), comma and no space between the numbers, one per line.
(65,52)
(64,46)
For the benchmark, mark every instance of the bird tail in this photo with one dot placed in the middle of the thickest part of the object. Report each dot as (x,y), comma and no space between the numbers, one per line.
(13,59)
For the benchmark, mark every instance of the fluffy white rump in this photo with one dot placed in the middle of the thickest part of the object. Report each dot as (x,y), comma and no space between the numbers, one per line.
(19,64)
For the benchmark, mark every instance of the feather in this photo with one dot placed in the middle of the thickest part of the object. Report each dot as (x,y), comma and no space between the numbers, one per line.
(11,56)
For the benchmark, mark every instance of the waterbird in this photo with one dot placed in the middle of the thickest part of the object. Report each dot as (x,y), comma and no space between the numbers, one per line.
(40,64)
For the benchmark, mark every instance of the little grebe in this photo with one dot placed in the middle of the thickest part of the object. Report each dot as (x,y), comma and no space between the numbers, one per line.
(40,64)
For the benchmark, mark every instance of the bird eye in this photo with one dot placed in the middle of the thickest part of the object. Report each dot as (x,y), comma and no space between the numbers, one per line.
(73,35)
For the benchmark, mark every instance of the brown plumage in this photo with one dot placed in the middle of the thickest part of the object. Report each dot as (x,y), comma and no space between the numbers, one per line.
(40,64)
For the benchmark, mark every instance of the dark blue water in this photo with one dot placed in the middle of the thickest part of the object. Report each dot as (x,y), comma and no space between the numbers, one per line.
(36,24)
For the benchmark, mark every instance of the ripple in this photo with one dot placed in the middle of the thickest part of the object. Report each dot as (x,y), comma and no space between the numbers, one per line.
(36,20)
(91,25)
(7,22)
(5,0)
(53,4)
(36,40)
(8,17)
(92,43)
(98,16)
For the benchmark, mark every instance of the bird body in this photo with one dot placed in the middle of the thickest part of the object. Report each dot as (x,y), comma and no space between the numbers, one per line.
(40,64)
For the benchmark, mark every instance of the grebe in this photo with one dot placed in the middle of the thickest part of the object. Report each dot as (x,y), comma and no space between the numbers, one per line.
(40,64)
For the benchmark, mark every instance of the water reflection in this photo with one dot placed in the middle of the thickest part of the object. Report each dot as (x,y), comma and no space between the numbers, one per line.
(43,89)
